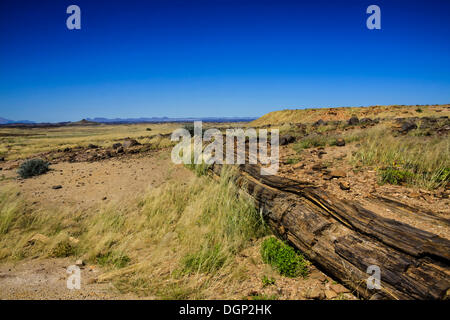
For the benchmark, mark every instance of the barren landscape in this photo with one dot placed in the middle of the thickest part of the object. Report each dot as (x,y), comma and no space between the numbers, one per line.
(140,226)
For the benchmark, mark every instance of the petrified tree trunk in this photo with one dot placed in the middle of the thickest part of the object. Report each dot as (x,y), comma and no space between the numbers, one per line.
(343,238)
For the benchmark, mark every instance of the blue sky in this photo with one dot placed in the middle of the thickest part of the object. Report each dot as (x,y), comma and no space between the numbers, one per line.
(218,58)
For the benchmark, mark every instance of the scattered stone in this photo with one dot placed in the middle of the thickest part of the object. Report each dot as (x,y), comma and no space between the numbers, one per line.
(57,187)
(92,146)
(318,276)
(344,185)
(329,294)
(286,139)
(319,122)
(337,173)
(104,198)
(340,142)
(116,145)
(79,263)
(120,150)
(407,126)
(299,165)
(338,288)
(2,159)
(130,143)
(353,121)
(315,293)
(366,121)
(318,166)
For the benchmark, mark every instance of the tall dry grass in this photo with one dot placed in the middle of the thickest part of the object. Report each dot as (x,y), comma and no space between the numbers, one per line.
(423,161)
(180,240)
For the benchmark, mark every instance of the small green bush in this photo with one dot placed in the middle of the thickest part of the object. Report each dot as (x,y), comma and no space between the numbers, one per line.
(284,258)
(419,110)
(266,281)
(393,175)
(63,249)
(115,259)
(33,167)
(292,160)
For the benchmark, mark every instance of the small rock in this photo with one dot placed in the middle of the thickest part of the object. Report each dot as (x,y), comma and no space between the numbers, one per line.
(338,288)
(353,121)
(340,142)
(130,143)
(92,146)
(329,294)
(299,165)
(318,276)
(407,126)
(286,139)
(315,293)
(116,145)
(338,173)
(79,263)
(57,187)
(2,159)
(344,185)
(104,198)
(318,166)
(120,150)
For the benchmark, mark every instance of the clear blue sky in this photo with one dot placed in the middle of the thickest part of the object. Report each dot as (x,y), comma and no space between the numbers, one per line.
(218,58)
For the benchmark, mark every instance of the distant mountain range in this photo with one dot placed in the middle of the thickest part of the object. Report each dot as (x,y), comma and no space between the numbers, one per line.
(4,121)
(167,119)
(7,121)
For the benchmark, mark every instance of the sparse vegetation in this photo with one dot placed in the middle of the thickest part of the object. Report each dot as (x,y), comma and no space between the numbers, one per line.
(266,281)
(284,258)
(33,167)
(172,235)
(417,161)
(394,175)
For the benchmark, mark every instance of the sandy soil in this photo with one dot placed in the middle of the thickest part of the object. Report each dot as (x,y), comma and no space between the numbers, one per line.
(84,184)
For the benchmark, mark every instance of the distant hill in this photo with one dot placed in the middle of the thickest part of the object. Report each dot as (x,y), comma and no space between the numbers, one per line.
(167,119)
(97,121)
(344,113)
(7,121)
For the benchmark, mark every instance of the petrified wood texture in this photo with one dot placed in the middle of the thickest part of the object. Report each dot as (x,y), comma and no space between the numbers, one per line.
(343,238)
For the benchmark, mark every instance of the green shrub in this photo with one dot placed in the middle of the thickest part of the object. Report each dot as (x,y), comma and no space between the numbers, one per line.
(266,281)
(393,175)
(33,167)
(419,110)
(63,249)
(284,258)
(115,259)
(292,160)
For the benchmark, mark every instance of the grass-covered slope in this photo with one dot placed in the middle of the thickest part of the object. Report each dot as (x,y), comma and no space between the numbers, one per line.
(344,113)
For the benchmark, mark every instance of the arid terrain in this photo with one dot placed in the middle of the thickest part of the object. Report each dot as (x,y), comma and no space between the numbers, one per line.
(140,226)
